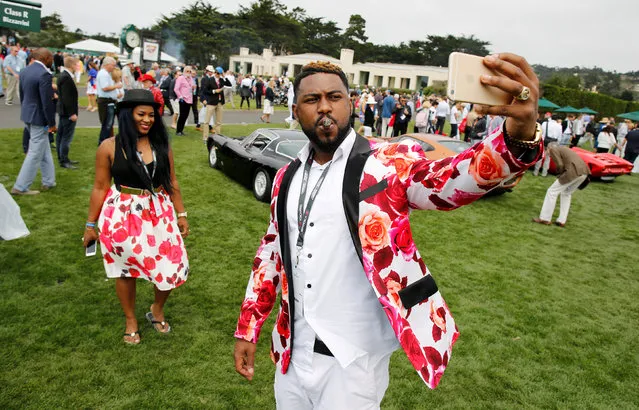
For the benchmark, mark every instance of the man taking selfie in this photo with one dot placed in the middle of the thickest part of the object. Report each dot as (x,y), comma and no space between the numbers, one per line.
(339,247)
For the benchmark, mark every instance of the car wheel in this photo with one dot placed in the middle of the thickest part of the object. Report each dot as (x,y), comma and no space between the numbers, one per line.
(262,185)
(213,160)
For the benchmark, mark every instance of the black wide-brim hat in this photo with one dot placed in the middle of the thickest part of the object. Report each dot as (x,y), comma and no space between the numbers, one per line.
(138,96)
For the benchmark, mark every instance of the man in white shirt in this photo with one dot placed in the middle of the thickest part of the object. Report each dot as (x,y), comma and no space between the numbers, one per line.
(290,97)
(551,132)
(338,248)
(107,92)
(128,80)
(432,117)
(229,91)
(442,112)
(568,130)
(454,120)
(578,130)
(12,65)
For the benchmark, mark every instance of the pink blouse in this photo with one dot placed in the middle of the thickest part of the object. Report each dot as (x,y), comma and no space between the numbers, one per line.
(183,89)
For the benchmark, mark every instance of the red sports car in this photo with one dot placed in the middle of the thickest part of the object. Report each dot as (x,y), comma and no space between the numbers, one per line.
(605,166)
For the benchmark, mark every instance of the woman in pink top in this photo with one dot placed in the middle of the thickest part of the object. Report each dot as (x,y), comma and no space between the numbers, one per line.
(184,92)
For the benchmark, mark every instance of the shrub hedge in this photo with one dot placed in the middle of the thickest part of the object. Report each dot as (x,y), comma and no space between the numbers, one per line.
(604,104)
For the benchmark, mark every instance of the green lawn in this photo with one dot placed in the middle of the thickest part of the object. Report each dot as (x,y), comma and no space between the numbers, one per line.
(548,316)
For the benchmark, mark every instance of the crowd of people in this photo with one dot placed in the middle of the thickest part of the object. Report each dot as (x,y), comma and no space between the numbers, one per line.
(180,89)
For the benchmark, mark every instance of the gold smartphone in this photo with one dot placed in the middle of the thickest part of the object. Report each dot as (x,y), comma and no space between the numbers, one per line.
(464,71)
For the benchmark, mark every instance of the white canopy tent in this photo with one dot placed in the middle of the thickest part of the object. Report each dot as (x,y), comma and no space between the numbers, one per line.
(95,46)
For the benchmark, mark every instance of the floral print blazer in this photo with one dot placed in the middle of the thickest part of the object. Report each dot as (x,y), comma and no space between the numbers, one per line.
(383,183)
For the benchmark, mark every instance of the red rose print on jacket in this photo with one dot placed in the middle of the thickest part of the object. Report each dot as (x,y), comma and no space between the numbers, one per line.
(386,153)
(286,360)
(394,284)
(461,198)
(266,298)
(402,238)
(488,168)
(373,229)
(283,323)
(438,316)
(246,322)
(412,348)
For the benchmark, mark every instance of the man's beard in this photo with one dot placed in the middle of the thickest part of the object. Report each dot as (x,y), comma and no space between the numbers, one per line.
(326,146)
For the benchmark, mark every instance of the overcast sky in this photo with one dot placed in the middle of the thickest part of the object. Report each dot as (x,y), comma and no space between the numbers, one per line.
(559,33)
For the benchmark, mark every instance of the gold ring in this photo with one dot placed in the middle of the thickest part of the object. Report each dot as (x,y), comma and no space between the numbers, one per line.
(524,94)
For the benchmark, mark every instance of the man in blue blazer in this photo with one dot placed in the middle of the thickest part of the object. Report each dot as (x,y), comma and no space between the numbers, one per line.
(38,115)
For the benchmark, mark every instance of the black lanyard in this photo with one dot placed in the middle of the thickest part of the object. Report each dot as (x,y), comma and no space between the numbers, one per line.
(155,163)
(302,215)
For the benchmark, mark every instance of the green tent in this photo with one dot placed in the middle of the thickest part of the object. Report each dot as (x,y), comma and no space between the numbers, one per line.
(546,104)
(632,116)
(568,110)
(587,110)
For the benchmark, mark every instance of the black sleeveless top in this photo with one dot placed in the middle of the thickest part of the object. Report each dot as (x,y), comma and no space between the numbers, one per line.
(124,174)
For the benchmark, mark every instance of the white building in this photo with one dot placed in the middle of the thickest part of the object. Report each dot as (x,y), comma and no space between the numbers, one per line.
(385,75)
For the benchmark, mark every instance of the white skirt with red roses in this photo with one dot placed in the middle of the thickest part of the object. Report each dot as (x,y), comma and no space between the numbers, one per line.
(139,238)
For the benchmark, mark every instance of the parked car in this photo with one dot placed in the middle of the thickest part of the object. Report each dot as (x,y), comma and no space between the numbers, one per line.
(603,166)
(254,159)
(440,146)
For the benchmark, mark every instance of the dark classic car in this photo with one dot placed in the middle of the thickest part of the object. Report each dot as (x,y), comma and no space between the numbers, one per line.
(254,160)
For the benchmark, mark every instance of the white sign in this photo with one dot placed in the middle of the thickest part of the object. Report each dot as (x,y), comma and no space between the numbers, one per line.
(150,50)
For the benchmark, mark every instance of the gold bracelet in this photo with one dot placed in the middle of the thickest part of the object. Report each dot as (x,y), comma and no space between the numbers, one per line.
(522,143)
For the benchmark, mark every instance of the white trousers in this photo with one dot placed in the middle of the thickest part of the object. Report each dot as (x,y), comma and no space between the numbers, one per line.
(556,189)
(328,386)
(385,127)
(545,162)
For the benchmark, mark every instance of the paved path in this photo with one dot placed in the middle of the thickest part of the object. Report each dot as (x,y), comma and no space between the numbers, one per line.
(10,117)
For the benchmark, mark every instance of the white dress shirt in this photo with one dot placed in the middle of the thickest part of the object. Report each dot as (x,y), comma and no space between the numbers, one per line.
(443,109)
(453,115)
(333,299)
(551,129)
(105,80)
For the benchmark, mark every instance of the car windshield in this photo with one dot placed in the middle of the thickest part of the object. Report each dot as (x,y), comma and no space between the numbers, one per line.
(290,148)
(457,146)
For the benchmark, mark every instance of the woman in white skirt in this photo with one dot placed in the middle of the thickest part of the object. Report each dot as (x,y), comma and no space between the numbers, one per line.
(140,233)
(268,102)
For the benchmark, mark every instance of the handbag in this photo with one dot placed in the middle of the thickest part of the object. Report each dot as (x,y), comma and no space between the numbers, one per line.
(462,125)
(11,224)
(391,122)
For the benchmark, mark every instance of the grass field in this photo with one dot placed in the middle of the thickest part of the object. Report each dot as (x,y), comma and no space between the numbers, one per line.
(548,316)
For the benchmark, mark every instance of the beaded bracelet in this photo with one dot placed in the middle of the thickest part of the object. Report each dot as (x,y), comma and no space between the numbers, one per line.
(90,224)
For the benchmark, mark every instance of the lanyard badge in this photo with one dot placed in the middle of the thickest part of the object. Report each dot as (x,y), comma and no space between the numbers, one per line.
(303,213)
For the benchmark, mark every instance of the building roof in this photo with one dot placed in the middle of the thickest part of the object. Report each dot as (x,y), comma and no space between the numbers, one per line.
(311,57)
(393,66)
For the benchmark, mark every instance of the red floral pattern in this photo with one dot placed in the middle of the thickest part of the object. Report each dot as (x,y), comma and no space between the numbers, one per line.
(426,331)
(139,238)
